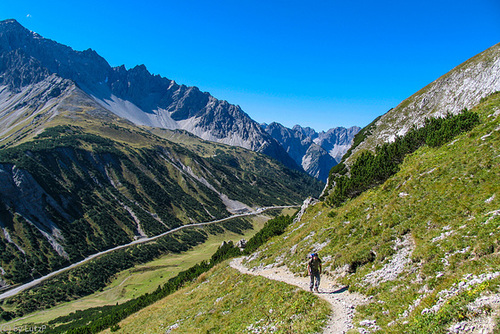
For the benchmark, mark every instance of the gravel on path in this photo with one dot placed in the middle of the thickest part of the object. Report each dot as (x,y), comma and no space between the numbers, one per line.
(343,302)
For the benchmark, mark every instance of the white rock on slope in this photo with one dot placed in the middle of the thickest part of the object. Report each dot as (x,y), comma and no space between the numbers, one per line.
(462,87)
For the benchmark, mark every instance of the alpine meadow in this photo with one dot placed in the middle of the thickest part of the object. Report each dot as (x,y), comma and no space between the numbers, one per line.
(130,203)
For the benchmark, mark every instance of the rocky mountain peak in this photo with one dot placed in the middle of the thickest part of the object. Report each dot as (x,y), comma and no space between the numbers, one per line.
(307,131)
(316,152)
(86,68)
(134,94)
(12,26)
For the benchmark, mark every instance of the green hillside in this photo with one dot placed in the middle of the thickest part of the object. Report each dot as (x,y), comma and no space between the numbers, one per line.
(77,189)
(422,246)
(226,301)
(424,243)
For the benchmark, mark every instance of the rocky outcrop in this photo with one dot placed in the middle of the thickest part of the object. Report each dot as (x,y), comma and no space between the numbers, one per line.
(307,203)
(20,190)
(317,162)
(462,87)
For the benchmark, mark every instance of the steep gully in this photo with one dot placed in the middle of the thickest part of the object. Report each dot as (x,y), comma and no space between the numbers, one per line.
(14,291)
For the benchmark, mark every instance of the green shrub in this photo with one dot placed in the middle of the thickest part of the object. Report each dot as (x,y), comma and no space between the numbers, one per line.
(370,170)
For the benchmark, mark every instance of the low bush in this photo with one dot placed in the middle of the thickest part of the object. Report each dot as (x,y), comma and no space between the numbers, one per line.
(370,170)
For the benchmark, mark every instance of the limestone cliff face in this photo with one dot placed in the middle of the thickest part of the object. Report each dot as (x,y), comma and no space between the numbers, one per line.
(462,87)
(19,189)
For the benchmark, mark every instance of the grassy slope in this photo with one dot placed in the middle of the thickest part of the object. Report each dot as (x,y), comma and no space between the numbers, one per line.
(226,301)
(408,107)
(444,199)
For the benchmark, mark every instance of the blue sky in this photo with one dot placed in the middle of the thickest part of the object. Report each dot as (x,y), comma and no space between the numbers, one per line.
(318,63)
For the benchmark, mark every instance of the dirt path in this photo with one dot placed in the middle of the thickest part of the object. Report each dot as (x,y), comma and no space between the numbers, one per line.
(342,301)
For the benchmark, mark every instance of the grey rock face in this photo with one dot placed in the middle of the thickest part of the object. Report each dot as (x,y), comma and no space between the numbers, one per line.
(462,87)
(18,188)
(337,140)
(316,152)
(317,162)
(26,58)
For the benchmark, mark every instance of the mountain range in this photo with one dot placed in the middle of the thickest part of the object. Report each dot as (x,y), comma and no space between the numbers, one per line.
(31,63)
(412,246)
(316,152)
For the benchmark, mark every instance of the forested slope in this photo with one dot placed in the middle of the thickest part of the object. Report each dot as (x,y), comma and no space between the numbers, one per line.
(73,191)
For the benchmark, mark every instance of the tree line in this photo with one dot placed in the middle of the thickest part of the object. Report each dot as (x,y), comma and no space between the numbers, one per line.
(96,274)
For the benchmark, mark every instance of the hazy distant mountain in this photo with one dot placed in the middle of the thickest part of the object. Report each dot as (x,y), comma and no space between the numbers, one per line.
(316,152)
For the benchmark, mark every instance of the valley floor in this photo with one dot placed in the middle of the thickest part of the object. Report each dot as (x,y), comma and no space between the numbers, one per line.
(343,303)
(143,278)
(35,282)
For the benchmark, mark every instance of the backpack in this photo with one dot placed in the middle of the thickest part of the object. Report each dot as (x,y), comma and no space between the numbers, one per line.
(314,264)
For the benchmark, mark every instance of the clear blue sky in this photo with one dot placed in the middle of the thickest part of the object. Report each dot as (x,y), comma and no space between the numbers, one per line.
(315,63)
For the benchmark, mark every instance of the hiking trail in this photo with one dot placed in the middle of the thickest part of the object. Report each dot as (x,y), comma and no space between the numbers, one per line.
(342,302)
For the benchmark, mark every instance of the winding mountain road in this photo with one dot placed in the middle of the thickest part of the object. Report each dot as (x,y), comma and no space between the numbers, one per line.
(14,291)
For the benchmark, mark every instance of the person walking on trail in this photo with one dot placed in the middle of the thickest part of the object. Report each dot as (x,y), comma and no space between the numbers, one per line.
(314,270)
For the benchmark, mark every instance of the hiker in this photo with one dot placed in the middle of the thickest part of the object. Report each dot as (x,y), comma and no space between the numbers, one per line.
(314,270)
